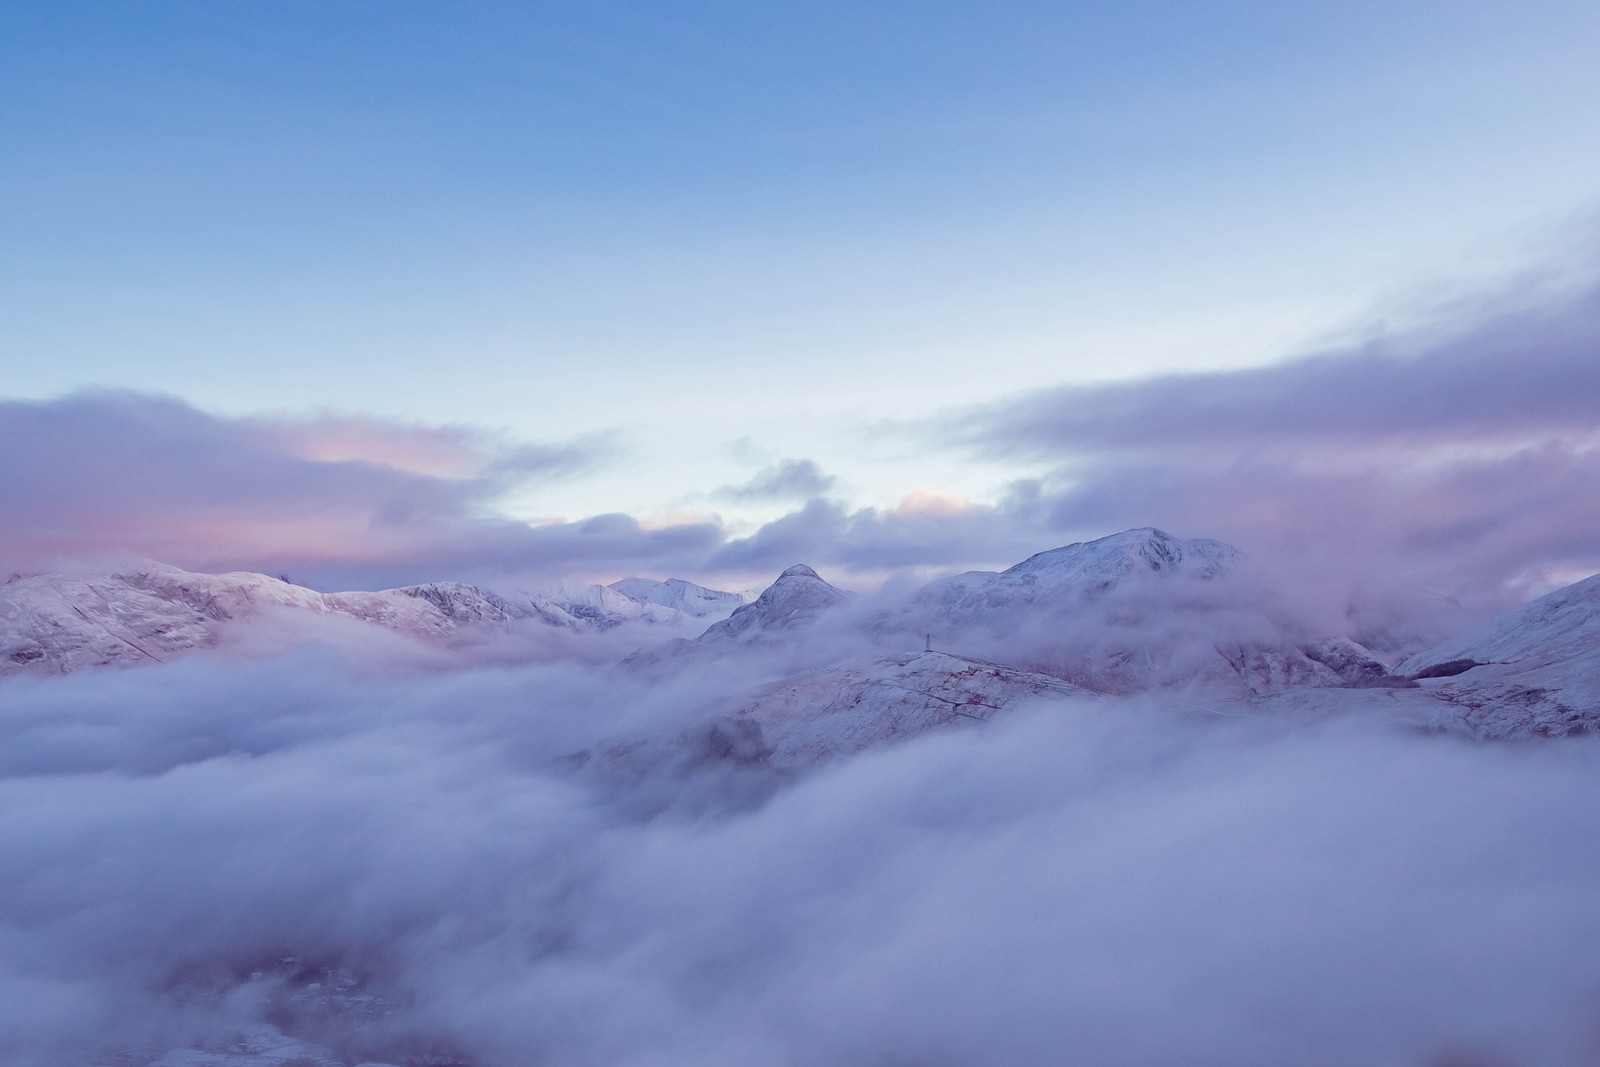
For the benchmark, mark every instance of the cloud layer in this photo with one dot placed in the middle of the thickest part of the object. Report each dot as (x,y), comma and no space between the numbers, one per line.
(1471,379)
(1462,457)
(1116,885)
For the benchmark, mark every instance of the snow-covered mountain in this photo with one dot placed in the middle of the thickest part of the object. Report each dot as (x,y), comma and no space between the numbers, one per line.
(60,623)
(1064,577)
(798,598)
(842,710)
(745,742)
(1137,611)
(675,593)
(57,623)
(578,605)
(1134,612)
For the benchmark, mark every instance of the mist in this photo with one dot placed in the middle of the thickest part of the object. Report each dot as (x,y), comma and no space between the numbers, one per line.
(184,849)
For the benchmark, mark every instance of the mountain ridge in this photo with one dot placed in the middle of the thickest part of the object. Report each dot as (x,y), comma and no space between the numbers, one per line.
(58,623)
(1132,612)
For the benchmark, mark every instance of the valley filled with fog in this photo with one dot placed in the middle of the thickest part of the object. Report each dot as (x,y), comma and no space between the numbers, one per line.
(1130,801)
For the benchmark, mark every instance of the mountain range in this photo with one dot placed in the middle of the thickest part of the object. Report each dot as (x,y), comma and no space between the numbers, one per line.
(58,623)
(820,672)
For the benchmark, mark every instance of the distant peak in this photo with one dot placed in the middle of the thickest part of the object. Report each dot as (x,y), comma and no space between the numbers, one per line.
(800,570)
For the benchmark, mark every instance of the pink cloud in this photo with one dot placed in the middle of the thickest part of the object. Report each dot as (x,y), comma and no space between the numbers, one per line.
(102,474)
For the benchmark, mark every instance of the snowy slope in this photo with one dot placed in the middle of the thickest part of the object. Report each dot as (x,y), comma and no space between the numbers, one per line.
(842,710)
(1137,611)
(61,623)
(784,610)
(580,605)
(741,747)
(1535,671)
(55,623)
(796,598)
(1555,628)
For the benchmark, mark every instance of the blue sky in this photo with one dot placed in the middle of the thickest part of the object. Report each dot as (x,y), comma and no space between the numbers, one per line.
(728,234)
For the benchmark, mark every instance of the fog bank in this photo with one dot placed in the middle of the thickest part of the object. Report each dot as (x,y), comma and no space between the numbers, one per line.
(1110,883)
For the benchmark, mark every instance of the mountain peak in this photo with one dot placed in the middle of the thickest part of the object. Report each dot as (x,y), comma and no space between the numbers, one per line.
(1145,548)
(1073,574)
(798,595)
(687,597)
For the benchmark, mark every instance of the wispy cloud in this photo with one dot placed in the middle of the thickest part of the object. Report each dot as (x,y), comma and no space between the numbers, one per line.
(787,479)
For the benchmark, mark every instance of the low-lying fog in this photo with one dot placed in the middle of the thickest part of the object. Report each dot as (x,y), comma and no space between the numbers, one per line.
(407,869)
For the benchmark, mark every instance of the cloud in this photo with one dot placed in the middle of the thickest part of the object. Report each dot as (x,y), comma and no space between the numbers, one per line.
(787,479)
(1527,373)
(348,501)
(335,499)
(1465,455)
(873,541)
(1115,885)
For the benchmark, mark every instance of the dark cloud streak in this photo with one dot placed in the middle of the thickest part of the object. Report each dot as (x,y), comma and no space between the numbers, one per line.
(1532,372)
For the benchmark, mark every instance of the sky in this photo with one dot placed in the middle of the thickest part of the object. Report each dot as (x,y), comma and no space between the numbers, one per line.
(403,291)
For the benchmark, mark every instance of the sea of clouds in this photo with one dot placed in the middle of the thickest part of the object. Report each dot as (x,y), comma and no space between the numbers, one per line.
(185,849)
